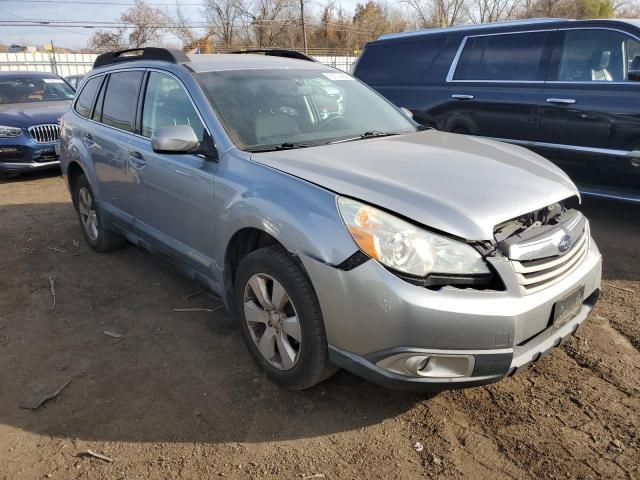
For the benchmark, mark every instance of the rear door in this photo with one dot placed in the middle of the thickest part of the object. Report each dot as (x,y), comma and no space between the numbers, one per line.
(495,85)
(177,209)
(590,121)
(109,140)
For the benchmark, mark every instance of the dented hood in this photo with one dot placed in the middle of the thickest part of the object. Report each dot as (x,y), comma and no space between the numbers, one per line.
(457,184)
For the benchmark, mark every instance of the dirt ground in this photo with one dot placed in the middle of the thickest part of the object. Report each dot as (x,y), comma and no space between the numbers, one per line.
(179,397)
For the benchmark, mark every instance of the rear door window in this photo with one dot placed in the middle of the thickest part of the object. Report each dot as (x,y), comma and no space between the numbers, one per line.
(505,57)
(597,55)
(120,100)
(84,104)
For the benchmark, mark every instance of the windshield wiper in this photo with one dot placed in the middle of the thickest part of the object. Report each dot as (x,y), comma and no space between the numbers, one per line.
(282,146)
(367,134)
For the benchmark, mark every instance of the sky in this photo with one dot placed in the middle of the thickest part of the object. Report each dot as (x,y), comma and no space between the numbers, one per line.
(101,10)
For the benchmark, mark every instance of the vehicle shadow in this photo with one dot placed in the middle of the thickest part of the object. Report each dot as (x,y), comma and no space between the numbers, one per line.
(171,377)
(615,227)
(30,176)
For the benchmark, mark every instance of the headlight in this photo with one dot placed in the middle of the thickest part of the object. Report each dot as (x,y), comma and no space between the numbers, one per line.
(6,131)
(404,247)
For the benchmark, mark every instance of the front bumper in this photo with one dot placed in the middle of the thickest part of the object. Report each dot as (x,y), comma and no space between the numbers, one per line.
(21,154)
(371,316)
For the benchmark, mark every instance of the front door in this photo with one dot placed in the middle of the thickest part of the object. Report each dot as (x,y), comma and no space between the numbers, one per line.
(590,121)
(177,208)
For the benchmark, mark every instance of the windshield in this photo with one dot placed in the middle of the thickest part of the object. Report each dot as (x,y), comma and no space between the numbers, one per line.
(33,89)
(265,108)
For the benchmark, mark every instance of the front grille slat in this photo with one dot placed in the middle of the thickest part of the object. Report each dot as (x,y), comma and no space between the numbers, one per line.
(47,133)
(535,275)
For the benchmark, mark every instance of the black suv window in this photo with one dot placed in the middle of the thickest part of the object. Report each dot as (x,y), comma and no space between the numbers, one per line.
(399,62)
(507,57)
(595,55)
(166,103)
(85,99)
(120,100)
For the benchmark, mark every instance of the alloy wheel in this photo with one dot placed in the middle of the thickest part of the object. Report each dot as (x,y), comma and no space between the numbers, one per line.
(88,215)
(273,322)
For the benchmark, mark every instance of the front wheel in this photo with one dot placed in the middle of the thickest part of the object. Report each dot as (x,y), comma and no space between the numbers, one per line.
(95,233)
(281,320)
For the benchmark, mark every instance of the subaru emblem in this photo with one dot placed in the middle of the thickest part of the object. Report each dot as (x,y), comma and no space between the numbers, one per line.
(565,243)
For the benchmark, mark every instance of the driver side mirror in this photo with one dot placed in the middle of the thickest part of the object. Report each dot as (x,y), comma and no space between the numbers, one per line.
(407,112)
(175,139)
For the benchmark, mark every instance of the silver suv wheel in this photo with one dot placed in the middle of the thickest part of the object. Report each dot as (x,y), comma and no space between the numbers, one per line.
(272,320)
(88,215)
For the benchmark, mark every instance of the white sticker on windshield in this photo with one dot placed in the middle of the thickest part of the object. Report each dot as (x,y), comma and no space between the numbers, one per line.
(337,76)
(52,80)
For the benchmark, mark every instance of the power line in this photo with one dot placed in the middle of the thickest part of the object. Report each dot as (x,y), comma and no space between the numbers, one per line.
(117,3)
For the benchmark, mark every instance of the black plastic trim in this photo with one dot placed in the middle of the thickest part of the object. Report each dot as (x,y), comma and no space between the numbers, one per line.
(363,368)
(353,261)
(278,52)
(170,55)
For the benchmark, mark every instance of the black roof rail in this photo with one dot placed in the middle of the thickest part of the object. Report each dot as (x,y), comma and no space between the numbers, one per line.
(279,52)
(170,55)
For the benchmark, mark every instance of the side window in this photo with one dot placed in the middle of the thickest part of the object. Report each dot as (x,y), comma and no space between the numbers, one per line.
(593,55)
(85,99)
(120,100)
(508,57)
(402,62)
(166,103)
(97,110)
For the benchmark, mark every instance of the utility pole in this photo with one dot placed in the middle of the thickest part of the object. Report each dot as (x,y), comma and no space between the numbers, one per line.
(304,27)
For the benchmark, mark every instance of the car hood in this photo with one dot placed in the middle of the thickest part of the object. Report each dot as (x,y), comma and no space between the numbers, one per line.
(458,184)
(32,113)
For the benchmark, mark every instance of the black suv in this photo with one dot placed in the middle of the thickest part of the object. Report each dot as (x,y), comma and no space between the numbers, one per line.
(569,90)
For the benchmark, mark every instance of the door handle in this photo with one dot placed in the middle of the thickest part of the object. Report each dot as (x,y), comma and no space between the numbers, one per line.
(136,159)
(459,96)
(561,101)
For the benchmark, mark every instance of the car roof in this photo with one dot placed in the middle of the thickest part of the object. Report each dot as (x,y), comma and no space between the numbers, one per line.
(508,25)
(24,74)
(212,62)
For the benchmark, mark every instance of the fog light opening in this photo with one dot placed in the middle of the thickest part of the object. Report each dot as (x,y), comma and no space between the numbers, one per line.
(423,364)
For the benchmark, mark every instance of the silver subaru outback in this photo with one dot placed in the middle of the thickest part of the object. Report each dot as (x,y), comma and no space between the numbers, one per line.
(337,232)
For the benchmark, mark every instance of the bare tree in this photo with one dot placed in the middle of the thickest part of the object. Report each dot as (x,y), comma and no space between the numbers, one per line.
(105,41)
(147,22)
(222,16)
(181,28)
(484,11)
(439,13)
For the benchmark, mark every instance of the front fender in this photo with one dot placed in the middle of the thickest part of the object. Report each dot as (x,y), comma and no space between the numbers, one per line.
(303,217)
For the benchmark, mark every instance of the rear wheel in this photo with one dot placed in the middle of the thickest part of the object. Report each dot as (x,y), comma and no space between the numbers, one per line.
(95,233)
(281,320)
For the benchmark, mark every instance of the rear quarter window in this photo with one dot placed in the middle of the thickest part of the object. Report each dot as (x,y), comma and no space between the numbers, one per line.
(84,104)
(398,62)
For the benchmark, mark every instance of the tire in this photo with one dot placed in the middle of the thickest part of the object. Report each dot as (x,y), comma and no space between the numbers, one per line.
(97,236)
(290,364)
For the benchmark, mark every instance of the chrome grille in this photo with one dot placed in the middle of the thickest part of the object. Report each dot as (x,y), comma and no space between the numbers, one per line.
(46,133)
(535,275)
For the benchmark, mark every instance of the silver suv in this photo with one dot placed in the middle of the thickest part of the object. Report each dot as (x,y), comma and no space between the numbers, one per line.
(338,233)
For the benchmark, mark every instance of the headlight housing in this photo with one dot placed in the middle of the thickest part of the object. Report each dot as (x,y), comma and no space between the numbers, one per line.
(408,249)
(8,132)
